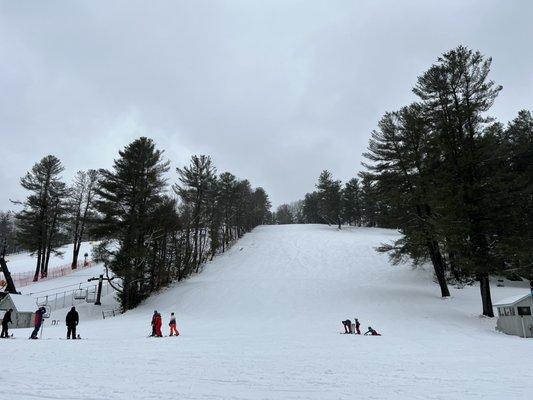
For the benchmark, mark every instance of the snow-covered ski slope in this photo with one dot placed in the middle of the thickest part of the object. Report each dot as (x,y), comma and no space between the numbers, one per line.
(262,322)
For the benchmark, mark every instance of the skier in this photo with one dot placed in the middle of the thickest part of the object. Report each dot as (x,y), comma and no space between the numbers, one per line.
(6,320)
(38,321)
(357,325)
(172,324)
(158,324)
(153,323)
(372,332)
(72,321)
(347,326)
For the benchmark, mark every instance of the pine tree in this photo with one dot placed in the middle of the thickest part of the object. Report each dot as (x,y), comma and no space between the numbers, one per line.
(80,204)
(40,221)
(310,209)
(456,93)
(369,201)
(351,202)
(508,173)
(128,198)
(227,192)
(330,199)
(8,232)
(284,215)
(400,155)
(196,183)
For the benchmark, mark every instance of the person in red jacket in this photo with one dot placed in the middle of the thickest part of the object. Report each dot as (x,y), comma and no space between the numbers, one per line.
(38,321)
(158,324)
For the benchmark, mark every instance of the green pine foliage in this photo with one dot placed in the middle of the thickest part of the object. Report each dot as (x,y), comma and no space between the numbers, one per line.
(40,223)
(151,239)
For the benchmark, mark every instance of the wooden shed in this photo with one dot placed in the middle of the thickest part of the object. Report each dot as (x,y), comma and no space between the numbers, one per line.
(514,315)
(24,308)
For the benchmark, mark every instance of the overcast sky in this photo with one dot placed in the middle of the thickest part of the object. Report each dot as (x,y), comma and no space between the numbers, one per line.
(274,91)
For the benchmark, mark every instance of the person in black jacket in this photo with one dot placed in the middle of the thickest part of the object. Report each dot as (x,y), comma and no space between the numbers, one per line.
(347,326)
(6,320)
(72,321)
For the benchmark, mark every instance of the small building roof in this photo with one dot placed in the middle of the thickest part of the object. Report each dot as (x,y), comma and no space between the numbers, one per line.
(511,300)
(22,302)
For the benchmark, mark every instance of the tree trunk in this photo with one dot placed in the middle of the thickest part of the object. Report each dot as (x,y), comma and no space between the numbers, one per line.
(75,254)
(38,267)
(484,287)
(439,266)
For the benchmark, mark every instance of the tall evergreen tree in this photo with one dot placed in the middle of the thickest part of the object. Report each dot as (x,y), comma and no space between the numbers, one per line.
(330,199)
(351,202)
(310,209)
(8,232)
(80,205)
(402,170)
(128,199)
(284,215)
(40,221)
(197,182)
(456,94)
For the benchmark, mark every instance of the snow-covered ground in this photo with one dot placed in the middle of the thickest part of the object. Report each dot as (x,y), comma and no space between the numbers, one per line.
(24,262)
(262,322)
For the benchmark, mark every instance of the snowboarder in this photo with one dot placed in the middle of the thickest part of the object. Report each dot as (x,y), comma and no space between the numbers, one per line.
(347,326)
(172,324)
(357,325)
(372,332)
(38,321)
(158,324)
(72,321)
(6,320)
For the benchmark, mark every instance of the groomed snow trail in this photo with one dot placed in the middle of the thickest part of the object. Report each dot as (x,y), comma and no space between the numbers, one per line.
(262,322)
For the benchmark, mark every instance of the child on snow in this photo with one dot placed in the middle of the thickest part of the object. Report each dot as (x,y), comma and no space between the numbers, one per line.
(372,332)
(357,325)
(172,324)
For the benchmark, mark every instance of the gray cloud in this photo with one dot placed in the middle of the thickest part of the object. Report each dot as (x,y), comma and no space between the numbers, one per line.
(274,91)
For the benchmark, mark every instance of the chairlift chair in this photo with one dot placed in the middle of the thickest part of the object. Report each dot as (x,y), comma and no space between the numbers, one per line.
(80,294)
(91,297)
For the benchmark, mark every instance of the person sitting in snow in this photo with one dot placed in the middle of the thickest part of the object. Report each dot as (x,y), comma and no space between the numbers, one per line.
(372,332)
(172,324)
(357,325)
(37,322)
(347,326)
(158,324)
